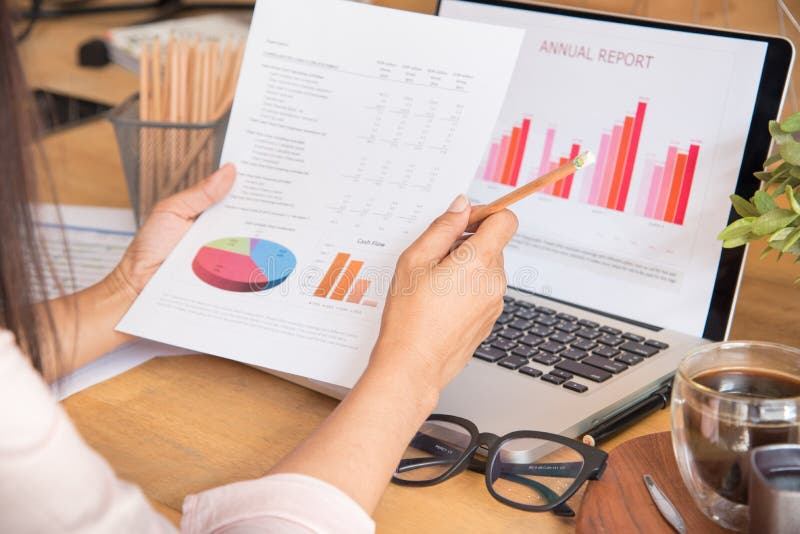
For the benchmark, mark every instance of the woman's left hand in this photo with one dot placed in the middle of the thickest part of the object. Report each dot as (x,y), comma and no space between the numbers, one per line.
(169,221)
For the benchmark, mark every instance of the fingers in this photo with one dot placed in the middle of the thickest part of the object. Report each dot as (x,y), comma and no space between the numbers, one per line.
(489,239)
(436,242)
(193,201)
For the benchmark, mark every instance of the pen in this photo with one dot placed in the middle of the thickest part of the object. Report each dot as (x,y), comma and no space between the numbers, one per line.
(657,400)
(481,212)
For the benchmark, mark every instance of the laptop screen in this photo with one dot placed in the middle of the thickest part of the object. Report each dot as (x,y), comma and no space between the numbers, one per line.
(667,112)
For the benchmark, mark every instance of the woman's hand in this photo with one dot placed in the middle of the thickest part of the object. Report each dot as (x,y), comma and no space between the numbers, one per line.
(167,224)
(446,294)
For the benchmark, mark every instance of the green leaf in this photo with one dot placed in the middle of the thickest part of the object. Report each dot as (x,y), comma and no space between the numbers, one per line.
(792,200)
(791,124)
(790,151)
(791,240)
(737,228)
(781,234)
(775,158)
(765,253)
(743,207)
(778,134)
(772,221)
(736,241)
(763,202)
(763,175)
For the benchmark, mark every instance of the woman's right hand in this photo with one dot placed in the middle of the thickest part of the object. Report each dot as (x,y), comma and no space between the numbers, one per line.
(446,294)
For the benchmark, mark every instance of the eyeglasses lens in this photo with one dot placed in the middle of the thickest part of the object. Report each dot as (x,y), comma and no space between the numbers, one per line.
(437,446)
(534,472)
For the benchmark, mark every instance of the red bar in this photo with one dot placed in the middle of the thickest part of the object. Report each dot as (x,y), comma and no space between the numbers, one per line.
(512,151)
(631,159)
(622,155)
(576,149)
(675,189)
(337,265)
(686,187)
(558,187)
(523,138)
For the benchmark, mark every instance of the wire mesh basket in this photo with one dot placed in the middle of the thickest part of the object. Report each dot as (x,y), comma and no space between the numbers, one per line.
(160,158)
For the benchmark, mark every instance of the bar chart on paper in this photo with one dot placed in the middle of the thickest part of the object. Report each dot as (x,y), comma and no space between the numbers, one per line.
(340,282)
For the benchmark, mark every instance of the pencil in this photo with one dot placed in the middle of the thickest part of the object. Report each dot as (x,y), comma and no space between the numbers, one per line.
(157,103)
(145,161)
(481,212)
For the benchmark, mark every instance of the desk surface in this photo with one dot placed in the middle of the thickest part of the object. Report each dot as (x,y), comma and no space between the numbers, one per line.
(180,425)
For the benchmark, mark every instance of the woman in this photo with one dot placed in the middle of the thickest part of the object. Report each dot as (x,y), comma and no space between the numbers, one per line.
(51,481)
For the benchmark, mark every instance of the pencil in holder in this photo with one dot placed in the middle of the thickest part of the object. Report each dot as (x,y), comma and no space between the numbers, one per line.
(162,158)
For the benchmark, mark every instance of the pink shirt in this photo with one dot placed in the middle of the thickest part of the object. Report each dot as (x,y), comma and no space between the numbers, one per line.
(52,481)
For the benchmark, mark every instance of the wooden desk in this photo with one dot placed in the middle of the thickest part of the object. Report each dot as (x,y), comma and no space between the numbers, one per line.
(181,425)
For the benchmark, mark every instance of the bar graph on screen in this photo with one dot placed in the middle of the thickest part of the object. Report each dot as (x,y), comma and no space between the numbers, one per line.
(666,186)
(340,283)
(505,155)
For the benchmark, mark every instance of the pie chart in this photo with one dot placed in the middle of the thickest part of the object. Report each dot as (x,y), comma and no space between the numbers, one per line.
(243,264)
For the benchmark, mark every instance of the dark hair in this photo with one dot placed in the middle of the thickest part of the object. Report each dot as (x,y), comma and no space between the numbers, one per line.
(21,255)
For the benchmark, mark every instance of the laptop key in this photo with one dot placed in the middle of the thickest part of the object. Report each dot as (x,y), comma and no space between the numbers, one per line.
(526,315)
(585,333)
(513,362)
(510,333)
(612,341)
(551,346)
(506,298)
(610,330)
(605,364)
(568,327)
(546,358)
(562,337)
(639,349)
(629,359)
(546,320)
(545,311)
(525,351)
(563,374)
(531,371)
(525,304)
(490,354)
(567,317)
(574,354)
(584,344)
(520,324)
(510,307)
(633,337)
(541,331)
(531,340)
(606,352)
(503,344)
(504,318)
(574,386)
(588,324)
(657,344)
(496,327)
(584,371)
(553,379)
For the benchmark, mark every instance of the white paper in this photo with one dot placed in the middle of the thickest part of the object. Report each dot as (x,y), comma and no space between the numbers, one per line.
(96,239)
(353,127)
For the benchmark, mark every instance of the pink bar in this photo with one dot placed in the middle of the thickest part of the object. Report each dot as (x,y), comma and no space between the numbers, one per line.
(655,187)
(492,163)
(501,160)
(608,172)
(597,178)
(548,148)
(666,183)
(550,188)
(644,188)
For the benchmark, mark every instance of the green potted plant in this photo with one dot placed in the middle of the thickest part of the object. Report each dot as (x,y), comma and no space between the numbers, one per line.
(773,213)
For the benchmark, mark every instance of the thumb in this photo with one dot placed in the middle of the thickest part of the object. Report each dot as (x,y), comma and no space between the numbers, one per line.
(193,201)
(436,242)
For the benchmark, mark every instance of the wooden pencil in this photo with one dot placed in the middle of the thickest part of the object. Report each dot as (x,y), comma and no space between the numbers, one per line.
(158,115)
(481,212)
(145,160)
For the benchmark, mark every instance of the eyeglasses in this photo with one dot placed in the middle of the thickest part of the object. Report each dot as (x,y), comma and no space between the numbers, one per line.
(529,470)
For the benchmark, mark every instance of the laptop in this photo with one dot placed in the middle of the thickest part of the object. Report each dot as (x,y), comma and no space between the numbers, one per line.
(616,272)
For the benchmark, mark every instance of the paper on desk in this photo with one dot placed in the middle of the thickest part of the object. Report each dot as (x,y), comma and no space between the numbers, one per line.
(353,127)
(96,239)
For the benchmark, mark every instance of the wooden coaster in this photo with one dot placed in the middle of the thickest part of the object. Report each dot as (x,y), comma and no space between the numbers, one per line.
(619,501)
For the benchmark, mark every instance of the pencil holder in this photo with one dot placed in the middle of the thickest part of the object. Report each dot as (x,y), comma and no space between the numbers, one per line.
(161,158)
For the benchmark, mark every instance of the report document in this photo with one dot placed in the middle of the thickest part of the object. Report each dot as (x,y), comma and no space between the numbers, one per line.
(352,128)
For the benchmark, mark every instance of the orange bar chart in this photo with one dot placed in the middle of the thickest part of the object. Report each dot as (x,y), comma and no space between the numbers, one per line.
(664,195)
(340,282)
(504,160)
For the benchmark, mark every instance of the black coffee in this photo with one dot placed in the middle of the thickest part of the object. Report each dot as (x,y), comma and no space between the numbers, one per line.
(719,444)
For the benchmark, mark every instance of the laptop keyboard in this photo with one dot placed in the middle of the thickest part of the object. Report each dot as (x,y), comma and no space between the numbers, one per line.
(565,345)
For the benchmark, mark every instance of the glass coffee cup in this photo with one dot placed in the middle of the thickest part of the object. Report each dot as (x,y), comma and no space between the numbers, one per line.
(727,399)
